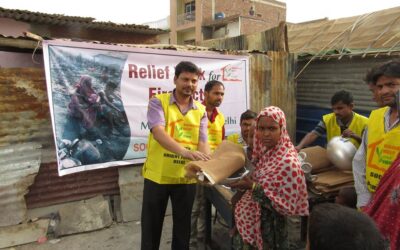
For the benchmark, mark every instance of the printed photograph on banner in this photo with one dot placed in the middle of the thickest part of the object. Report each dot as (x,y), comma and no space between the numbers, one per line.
(91,125)
(99,96)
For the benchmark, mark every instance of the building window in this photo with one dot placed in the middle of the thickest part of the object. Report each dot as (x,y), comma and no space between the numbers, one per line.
(190,7)
(189,42)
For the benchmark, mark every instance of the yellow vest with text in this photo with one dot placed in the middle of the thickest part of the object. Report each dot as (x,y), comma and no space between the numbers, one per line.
(383,148)
(357,125)
(215,130)
(163,166)
(234,138)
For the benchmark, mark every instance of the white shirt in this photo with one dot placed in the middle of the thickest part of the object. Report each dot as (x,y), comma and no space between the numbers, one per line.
(359,164)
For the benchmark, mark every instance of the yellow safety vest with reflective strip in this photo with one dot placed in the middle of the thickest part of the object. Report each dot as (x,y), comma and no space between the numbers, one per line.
(163,166)
(215,131)
(357,125)
(383,147)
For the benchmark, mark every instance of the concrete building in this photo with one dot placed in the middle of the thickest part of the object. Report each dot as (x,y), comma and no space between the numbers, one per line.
(192,21)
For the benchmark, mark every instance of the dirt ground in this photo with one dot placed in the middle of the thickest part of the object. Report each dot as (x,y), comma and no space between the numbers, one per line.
(121,236)
(126,236)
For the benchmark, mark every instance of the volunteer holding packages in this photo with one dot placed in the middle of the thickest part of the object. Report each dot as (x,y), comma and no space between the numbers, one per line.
(178,126)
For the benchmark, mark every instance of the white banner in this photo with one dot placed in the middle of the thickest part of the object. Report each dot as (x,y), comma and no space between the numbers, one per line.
(98,97)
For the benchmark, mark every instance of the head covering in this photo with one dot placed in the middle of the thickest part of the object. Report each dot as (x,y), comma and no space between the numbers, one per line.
(84,86)
(278,172)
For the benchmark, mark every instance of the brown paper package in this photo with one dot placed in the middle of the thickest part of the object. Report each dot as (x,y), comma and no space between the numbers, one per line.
(227,158)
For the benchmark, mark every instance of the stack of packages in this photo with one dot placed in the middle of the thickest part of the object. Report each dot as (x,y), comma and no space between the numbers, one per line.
(329,179)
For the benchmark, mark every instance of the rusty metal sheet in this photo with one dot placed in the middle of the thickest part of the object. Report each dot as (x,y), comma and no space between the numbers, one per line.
(283,86)
(50,189)
(19,165)
(272,83)
(25,118)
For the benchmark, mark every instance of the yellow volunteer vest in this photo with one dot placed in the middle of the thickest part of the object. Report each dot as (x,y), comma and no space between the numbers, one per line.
(163,166)
(234,138)
(215,131)
(357,125)
(383,148)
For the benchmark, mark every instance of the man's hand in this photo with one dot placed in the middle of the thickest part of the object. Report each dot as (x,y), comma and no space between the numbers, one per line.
(298,148)
(195,155)
(348,133)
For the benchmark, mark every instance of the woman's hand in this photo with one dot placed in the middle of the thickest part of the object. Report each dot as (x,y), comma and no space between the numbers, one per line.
(245,183)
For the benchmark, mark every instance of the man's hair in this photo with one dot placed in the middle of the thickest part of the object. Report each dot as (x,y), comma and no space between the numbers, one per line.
(349,196)
(343,96)
(186,66)
(368,79)
(332,226)
(389,69)
(248,114)
(211,84)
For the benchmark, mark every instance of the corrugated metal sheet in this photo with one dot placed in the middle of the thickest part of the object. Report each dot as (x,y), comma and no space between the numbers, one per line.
(19,165)
(25,118)
(272,83)
(283,87)
(366,33)
(87,22)
(260,85)
(271,72)
(19,42)
(24,110)
(321,79)
(50,189)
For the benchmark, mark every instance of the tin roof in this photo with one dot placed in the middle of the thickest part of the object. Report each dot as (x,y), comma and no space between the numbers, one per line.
(87,22)
(372,32)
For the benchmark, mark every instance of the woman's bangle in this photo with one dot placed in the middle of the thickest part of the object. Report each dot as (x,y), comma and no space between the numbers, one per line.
(253,186)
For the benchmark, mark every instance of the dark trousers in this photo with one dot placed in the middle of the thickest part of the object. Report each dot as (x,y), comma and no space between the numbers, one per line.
(155,201)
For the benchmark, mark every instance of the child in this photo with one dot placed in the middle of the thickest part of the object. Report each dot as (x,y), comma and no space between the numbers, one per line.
(333,227)
(347,196)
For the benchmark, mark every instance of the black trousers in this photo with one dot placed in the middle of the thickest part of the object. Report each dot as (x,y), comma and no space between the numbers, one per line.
(155,201)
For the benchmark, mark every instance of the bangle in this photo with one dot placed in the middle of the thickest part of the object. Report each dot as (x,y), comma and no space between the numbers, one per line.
(253,186)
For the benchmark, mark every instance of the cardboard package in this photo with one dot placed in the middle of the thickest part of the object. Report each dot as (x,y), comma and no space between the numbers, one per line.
(318,159)
(225,161)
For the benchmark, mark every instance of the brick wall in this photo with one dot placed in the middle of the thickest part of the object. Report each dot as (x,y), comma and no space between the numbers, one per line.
(250,26)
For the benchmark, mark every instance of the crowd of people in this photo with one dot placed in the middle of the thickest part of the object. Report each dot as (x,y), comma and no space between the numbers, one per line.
(364,217)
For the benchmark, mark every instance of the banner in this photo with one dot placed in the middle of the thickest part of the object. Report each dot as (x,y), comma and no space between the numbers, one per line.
(98,97)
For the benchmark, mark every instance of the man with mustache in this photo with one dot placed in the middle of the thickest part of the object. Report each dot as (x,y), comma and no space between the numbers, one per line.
(178,134)
(381,140)
(247,121)
(343,121)
(213,96)
(376,165)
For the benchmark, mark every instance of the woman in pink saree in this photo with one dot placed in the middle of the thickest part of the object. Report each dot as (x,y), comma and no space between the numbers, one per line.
(84,102)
